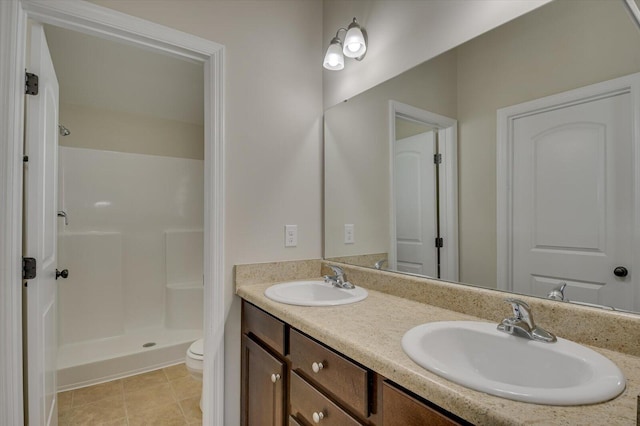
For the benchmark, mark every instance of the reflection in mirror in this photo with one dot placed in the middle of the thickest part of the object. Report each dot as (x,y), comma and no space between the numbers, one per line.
(423,192)
(543,185)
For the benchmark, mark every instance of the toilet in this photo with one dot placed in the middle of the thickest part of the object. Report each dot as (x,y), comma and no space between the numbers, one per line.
(193,361)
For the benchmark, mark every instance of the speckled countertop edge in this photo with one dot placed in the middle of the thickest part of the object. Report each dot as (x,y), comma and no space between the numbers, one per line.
(370,333)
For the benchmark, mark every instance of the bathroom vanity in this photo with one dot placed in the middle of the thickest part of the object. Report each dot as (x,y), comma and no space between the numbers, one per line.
(289,375)
(374,382)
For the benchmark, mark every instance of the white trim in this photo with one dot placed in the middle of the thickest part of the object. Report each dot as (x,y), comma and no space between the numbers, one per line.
(448,175)
(504,161)
(12,40)
(92,19)
(633,10)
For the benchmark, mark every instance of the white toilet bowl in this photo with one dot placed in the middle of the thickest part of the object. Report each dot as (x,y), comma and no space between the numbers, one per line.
(194,357)
(193,361)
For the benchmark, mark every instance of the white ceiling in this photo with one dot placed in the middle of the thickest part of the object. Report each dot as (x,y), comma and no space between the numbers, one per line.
(105,74)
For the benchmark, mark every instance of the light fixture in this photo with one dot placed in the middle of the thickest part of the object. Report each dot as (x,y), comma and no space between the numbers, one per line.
(334,60)
(354,46)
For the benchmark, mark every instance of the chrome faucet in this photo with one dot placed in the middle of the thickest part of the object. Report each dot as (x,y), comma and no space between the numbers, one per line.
(522,324)
(558,293)
(379,263)
(339,279)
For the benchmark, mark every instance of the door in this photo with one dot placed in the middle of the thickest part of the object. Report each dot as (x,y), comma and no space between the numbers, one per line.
(415,193)
(41,146)
(573,201)
(262,386)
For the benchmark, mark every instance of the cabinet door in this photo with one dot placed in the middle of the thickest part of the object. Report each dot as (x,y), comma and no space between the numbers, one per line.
(263,386)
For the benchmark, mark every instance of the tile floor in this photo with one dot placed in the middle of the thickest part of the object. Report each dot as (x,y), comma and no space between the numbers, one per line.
(163,397)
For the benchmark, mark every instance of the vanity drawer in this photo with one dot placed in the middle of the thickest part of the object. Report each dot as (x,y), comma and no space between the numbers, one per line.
(401,409)
(264,327)
(306,400)
(342,378)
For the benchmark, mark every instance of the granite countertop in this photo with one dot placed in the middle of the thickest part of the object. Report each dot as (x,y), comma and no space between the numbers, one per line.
(370,332)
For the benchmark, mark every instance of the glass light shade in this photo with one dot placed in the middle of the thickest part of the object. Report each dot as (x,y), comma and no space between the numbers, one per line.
(354,45)
(334,60)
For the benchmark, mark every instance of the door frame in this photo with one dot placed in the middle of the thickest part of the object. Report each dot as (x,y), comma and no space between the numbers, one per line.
(448,176)
(106,23)
(504,163)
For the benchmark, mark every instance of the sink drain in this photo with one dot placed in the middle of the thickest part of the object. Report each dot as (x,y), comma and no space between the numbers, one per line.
(148,345)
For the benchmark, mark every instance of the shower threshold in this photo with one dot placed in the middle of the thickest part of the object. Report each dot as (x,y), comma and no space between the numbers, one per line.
(137,351)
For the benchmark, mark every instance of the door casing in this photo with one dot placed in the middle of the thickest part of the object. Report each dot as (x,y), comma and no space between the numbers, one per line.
(103,22)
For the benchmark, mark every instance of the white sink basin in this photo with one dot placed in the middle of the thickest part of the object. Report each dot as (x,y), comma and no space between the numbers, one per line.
(476,355)
(314,293)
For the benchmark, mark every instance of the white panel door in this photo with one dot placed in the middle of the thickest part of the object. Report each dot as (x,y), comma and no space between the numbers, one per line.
(572,201)
(416,204)
(40,235)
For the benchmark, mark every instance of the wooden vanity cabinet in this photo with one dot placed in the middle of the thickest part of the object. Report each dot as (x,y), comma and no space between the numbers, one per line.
(316,381)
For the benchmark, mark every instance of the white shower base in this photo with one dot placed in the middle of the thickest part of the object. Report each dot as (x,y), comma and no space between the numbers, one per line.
(95,361)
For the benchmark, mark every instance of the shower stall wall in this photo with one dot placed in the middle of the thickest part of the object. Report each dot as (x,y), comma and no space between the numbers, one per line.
(133,300)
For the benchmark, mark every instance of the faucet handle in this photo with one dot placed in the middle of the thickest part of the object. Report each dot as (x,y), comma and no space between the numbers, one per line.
(336,270)
(521,310)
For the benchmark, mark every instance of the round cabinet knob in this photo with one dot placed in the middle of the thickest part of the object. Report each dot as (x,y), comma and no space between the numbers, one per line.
(64,273)
(620,271)
(275,377)
(316,367)
(317,417)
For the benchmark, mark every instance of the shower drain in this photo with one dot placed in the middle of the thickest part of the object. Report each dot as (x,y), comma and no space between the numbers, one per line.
(148,345)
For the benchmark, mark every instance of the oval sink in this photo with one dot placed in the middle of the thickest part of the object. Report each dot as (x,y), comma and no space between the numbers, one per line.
(314,293)
(476,355)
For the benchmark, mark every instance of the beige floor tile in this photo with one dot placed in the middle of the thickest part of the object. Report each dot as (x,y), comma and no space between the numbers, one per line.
(148,398)
(63,416)
(96,393)
(186,387)
(176,371)
(119,422)
(103,411)
(170,415)
(65,399)
(143,381)
(191,410)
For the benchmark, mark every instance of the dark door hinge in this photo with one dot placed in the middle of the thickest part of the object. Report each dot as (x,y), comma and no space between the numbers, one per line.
(440,242)
(30,84)
(437,158)
(28,268)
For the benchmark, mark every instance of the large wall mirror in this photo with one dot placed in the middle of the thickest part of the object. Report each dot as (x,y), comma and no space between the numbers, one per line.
(510,162)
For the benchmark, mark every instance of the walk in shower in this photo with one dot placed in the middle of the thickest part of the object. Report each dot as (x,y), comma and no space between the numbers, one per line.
(133,300)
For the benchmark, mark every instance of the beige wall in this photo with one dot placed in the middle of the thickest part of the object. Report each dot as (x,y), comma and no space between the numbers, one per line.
(357,155)
(273,113)
(97,128)
(566,47)
(405,33)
